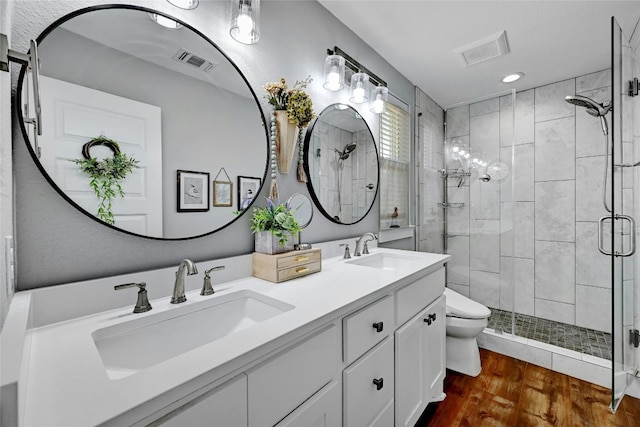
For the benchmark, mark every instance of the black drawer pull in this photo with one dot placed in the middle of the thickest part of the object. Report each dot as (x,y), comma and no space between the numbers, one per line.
(378,383)
(379,326)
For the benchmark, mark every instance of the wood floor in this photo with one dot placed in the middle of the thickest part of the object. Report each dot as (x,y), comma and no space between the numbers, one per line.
(512,393)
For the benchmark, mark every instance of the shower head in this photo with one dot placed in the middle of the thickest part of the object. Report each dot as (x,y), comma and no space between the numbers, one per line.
(344,154)
(592,107)
(349,148)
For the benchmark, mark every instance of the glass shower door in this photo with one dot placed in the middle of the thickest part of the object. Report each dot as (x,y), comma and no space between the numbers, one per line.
(620,223)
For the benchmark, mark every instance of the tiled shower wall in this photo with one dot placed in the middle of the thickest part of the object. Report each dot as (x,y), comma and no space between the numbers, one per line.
(558,273)
(429,138)
(354,173)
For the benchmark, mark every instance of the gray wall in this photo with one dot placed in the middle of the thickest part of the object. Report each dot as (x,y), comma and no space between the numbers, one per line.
(57,244)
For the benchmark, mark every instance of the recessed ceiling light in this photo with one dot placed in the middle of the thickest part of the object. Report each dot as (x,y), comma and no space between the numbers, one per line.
(512,77)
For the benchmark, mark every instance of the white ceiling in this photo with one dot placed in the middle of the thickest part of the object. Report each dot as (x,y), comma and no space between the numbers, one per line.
(549,40)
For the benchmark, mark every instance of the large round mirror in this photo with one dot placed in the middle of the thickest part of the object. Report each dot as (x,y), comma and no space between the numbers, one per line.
(341,164)
(170,100)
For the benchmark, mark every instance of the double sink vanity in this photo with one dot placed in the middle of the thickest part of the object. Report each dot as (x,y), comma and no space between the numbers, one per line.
(360,343)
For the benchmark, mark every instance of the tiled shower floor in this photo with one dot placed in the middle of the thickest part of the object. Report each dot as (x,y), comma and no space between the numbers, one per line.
(583,340)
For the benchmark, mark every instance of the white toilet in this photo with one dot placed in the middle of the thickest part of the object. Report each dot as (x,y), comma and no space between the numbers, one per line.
(465,320)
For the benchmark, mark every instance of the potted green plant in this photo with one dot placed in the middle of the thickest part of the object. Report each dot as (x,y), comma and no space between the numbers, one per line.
(106,175)
(274,227)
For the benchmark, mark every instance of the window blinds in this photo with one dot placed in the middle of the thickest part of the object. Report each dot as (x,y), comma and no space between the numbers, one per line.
(394,165)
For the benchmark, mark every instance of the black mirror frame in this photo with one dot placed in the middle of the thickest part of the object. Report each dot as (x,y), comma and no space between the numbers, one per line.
(34,156)
(312,193)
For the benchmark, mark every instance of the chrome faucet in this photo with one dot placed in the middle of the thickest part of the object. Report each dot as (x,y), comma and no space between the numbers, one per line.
(361,244)
(178,288)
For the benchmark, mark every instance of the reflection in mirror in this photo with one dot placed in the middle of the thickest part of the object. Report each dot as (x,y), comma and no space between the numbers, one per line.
(303,213)
(171,100)
(342,164)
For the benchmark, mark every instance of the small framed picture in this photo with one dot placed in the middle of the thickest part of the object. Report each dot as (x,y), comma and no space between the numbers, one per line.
(248,188)
(222,193)
(193,191)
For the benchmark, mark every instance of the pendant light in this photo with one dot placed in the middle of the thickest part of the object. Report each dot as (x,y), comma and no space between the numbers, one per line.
(333,73)
(359,83)
(245,21)
(379,99)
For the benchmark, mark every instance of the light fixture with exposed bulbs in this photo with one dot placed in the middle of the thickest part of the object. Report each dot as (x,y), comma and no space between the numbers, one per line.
(245,21)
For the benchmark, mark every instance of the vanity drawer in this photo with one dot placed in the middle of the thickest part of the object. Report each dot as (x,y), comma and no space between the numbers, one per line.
(417,295)
(366,328)
(298,258)
(364,400)
(298,271)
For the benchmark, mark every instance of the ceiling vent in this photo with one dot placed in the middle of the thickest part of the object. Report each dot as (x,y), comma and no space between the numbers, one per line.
(485,49)
(194,60)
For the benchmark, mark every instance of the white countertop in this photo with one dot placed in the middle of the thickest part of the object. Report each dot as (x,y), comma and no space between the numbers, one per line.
(64,382)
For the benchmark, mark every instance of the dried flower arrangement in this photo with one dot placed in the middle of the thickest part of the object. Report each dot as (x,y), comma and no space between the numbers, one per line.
(299,109)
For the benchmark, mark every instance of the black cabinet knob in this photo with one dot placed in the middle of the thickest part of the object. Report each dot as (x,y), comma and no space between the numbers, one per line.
(378,383)
(378,326)
(433,316)
(428,320)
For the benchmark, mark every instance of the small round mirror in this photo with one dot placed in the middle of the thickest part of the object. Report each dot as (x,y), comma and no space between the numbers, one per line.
(302,209)
(303,213)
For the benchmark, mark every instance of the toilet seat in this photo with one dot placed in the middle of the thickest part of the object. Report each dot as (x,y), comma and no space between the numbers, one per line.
(461,306)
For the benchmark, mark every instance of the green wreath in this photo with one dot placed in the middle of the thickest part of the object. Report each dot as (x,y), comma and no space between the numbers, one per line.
(106,175)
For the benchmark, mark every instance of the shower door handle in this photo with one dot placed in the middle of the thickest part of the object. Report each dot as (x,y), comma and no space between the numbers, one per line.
(632,225)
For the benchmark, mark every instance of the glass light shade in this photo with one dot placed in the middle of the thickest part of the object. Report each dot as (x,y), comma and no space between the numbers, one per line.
(164,21)
(379,98)
(333,73)
(184,4)
(245,21)
(359,83)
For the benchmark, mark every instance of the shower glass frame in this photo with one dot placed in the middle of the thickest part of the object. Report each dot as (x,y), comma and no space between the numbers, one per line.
(624,369)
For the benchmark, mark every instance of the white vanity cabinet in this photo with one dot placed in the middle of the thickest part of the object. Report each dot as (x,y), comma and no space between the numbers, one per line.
(284,382)
(225,405)
(324,409)
(420,349)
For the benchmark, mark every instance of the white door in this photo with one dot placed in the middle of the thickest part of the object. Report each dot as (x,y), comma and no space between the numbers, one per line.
(72,115)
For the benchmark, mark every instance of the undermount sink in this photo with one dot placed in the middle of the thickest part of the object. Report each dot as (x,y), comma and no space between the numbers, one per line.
(130,347)
(384,261)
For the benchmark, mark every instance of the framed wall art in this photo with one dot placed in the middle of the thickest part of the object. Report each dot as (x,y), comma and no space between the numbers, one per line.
(247,189)
(193,191)
(222,190)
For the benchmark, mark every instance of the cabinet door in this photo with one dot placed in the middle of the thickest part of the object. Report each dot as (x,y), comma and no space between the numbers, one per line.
(223,406)
(436,342)
(284,382)
(368,386)
(419,363)
(324,409)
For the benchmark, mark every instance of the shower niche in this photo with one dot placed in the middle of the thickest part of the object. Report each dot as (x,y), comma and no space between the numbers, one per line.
(342,164)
